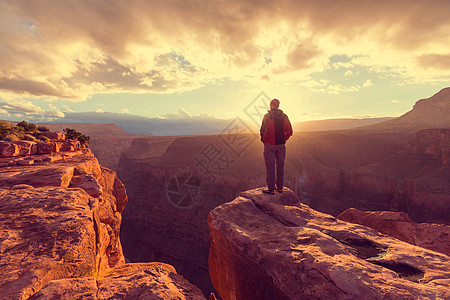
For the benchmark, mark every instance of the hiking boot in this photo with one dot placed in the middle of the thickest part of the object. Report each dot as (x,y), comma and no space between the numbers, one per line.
(269,192)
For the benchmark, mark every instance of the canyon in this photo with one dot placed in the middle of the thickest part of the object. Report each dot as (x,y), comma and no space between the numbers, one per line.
(375,168)
(178,214)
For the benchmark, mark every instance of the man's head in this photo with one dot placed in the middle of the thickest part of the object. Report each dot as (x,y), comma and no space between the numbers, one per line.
(275,103)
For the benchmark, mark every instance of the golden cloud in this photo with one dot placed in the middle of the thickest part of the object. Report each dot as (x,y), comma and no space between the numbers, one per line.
(72,49)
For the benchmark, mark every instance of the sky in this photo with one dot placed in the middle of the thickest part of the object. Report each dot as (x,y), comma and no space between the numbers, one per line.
(181,59)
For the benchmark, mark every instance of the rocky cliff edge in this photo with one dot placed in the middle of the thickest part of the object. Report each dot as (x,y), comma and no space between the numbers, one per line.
(274,247)
(60,216)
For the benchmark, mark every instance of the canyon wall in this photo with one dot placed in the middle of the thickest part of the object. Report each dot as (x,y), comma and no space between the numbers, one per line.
(415,180)
(60,218)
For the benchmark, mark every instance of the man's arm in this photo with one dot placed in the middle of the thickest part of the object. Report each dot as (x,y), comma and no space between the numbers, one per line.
(287,128)
(263,126)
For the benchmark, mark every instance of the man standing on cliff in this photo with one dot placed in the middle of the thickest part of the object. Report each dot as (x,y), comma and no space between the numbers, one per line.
(275,131)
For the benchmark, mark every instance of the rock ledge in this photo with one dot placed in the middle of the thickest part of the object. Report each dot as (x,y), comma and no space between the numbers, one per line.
(274,247)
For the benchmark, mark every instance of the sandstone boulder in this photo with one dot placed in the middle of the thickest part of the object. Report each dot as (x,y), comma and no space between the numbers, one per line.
(26,147)
(57,145)
(53,135)
(18,148)
(71,145)
(44,148)
(274,247)
(88,183)
(435,237)
(8,149)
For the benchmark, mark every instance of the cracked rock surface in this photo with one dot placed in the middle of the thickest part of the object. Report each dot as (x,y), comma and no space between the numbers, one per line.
(274,247)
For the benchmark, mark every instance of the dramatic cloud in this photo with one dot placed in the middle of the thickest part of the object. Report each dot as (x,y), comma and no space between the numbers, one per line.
(26,109)
(21,106)
(74,49)
(435,61)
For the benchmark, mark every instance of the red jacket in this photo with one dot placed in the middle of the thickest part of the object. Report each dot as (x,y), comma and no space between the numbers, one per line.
(275,128)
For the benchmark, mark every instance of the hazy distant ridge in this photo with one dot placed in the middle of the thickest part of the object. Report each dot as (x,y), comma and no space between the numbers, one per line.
(337,124)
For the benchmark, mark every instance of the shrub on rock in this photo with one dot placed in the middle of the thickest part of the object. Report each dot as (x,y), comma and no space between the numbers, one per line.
(27,126)
(72,134)
(43,128)
(11,137)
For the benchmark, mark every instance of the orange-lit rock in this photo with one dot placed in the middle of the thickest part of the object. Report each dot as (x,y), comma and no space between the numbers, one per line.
(60,221)
(274,247)
(45,148)
(53,135)
(18,148)
(131,281)
(8,149)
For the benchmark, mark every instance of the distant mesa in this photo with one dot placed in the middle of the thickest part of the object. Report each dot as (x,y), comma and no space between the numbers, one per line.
(141,125)
(433,112)
(93,130)
(336,124)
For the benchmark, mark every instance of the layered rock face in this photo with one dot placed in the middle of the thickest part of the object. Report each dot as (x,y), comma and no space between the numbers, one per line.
(274,247)
(415,180)
(435,237)
(27,148)
(60,221)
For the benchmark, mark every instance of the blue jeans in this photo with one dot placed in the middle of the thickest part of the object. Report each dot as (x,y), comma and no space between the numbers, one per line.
(274,155)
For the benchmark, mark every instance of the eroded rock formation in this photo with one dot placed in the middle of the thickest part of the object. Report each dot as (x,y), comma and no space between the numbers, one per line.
(435,237)
(60,219)
(274,247)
